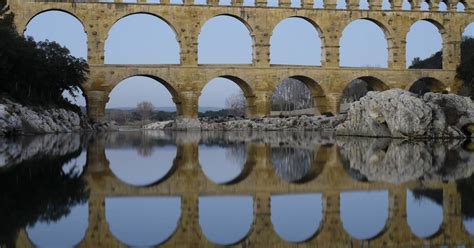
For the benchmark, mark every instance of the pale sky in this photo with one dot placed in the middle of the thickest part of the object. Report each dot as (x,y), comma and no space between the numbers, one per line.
(145,39)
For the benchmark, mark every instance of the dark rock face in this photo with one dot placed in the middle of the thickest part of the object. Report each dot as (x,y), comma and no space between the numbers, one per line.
(401,114)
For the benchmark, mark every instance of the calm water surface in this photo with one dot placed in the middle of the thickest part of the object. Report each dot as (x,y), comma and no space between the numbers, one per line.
(248,189)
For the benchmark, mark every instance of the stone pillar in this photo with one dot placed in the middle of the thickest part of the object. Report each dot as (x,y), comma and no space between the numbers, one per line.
(332,229)
(451,48)
(396,52)
(352,4)
(453,223)
(375,4)
(260,3)
(189,230)
(396,4)
(187,110)
(237,3)
(259,105)
(98,233)
(261,49)
(188,41)
(96,101)
(397,222)
(262,231)
(97,162)
(415,5)
(330,4)
(330,49)
(284,3)
(320,104)
(96,36)
(307,4)
(334,102)
(433,5)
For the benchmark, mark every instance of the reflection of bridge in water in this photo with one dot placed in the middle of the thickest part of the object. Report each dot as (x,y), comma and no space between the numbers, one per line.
(260,181)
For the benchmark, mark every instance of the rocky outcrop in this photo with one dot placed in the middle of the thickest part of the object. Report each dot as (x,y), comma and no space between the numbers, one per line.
(399,161)
(401,114)
(16,118)
(262,124)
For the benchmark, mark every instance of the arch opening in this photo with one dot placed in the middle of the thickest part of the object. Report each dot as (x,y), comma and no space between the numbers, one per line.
(358,88)
(298,95)
(224,163)
(225,39)
(296,218)
(295,165)
(226,96)
(364,43)
(142,99)
(421,54)
(59,26)
(442,6)
(427,84)
(72,227)
(128,42)
(364,214)
(143,221)
(303,49)
(425,212)
(461,6)
(226,220)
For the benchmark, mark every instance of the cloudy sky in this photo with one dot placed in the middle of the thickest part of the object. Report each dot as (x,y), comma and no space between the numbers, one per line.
(145,39)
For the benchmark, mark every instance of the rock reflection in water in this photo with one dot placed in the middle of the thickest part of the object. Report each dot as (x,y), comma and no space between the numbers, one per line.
(296,218)
(399,161)
(292,164)
(38,190)
(143,221)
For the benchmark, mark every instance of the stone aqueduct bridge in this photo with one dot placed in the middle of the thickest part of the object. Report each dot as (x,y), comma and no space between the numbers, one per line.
(187,180)
(259,79)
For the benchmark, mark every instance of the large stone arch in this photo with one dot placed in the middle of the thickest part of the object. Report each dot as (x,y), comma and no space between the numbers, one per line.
(246,88)
(320,102)
(313,23)
(243,22)
(432,84)
(23,26)
(389,39)
(159,19)
(373,84)
(436,23)
(166,83)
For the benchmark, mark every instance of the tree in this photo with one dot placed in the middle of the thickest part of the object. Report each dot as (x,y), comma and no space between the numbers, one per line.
(291,95)
(145,110)
(236,104)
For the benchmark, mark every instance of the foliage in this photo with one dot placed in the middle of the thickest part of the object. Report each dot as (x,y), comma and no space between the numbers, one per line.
(236,104)
(291,95)
(145,110)
(37,72)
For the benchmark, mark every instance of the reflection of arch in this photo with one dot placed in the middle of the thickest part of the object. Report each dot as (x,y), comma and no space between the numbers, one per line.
(162,213)
(246,169)
(250,36)
(427,84)
(381,26)
(170,36)
(49,10)
(320,102)
(418,210)
(305,210)
(319,33)
(359,205)
(214,211)
(294,173)
(49,230)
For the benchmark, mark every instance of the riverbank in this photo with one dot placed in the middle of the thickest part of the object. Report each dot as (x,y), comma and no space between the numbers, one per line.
(18,119)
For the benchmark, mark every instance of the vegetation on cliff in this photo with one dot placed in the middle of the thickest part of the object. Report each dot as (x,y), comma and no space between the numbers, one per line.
(36,73)
(465,70)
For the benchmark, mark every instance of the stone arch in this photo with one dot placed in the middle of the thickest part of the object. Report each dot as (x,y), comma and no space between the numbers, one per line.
(427,84)
(387,36)
(370,82)
(171,89)
(28,20)
(306,20)
(159,20)
(242,22)
(81,48)
(243,85)
(320,102)
(441,30)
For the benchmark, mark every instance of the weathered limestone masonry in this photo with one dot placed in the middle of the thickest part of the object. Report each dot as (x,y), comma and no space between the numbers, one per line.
(259,79)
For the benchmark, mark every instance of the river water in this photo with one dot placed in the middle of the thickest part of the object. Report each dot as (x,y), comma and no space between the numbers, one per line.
(248,189)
